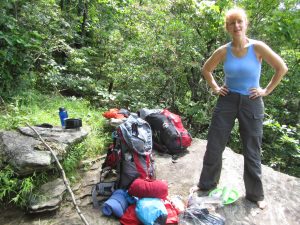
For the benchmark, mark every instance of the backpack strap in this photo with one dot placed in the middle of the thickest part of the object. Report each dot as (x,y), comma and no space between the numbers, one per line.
(179,133)
(180,138)
(94,198)
(103,189)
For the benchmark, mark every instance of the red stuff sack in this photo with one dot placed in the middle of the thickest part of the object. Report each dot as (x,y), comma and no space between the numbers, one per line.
(142,188)
(172,213)
(129,217)
(113,113)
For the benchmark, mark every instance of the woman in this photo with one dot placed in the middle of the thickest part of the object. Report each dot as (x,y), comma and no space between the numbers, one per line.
(240,97)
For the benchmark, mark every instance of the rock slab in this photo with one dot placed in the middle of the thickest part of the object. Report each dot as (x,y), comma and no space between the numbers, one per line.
(27,154)
(49,197)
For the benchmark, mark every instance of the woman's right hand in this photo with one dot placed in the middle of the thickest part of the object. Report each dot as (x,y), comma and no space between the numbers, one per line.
(223,90)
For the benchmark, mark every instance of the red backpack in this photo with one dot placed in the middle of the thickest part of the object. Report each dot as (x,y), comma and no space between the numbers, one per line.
(184,138)
(169,134)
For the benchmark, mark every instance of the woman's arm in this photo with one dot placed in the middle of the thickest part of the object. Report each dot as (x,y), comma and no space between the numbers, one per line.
(208,67)
(276,62)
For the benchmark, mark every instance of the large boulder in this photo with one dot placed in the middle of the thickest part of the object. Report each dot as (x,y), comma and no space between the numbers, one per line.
(56,134)
(25,152)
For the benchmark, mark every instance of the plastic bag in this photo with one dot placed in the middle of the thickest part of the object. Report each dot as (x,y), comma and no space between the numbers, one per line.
(197,216)
(178,202)
(205,202)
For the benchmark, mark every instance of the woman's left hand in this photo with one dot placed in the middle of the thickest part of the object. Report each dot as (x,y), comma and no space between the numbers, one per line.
(257,92)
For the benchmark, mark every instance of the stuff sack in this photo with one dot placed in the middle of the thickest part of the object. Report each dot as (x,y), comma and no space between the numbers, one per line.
(116,113)
(151,211)
(143,188)
(129,217)
(169,134)
(172,213)
(116,204)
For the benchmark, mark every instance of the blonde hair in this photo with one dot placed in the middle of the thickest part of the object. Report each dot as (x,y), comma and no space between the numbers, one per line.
(237,12)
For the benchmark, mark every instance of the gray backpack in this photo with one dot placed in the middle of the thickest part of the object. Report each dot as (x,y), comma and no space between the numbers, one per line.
(130,157)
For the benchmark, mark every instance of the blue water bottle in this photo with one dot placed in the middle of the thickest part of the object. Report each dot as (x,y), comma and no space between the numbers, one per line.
(63,114)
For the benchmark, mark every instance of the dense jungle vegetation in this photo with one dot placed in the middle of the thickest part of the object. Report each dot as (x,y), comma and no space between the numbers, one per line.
(92,55)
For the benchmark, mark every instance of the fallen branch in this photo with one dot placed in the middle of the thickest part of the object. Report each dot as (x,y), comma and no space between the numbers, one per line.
(63,175)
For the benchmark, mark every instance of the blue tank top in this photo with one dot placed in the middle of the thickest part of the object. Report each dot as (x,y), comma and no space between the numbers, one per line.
(242,73)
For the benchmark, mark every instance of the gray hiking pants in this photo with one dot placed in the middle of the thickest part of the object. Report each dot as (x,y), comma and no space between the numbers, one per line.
(250,115)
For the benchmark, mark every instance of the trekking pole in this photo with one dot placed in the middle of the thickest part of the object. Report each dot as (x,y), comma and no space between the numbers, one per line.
(63,176)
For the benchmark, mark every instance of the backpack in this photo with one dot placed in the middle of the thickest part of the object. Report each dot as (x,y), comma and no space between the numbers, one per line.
(130,157)
(169,134)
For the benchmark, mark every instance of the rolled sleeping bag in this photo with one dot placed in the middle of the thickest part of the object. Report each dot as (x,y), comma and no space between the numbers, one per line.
(116,204)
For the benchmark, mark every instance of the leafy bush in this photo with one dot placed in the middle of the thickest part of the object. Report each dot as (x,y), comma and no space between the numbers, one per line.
(280,147)
(18,190)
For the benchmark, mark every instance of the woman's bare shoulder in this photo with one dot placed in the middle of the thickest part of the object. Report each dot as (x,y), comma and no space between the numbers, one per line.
(222,48)
(272,58)
(221,51)
(259,45)
(217,57)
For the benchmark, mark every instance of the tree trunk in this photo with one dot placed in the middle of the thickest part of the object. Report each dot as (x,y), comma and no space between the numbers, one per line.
(61,4)
(84,19)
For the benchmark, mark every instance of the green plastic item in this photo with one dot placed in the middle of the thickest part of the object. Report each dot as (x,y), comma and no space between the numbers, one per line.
(228,195)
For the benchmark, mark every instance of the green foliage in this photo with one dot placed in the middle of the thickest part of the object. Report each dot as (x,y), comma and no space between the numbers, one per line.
(18,190)
(8,183)
(34,108)
(71,162)
(281,149)
(15,45)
